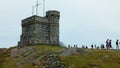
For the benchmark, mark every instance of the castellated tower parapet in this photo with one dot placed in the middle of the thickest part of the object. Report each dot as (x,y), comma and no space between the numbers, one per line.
(40,30)
(53,13)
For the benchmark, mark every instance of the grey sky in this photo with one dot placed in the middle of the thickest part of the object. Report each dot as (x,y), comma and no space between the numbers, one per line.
(82,21)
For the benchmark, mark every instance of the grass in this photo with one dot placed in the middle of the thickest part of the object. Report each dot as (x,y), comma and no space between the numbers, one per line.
(43,49)
(87,60)
(1,65)
(2,55)
(46,49)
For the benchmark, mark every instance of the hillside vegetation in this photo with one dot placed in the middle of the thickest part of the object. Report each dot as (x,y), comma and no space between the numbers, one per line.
(40,56)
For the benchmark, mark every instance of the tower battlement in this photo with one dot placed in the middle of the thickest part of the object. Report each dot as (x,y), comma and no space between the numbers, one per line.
(53,12)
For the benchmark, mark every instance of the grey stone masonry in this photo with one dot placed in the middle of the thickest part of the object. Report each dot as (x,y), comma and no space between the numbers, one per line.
(40,30)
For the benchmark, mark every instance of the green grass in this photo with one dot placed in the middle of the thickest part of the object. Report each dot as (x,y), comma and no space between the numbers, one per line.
(43,49)
(75,61)
(1,58)
(86,60)
(1,65)
(46,49)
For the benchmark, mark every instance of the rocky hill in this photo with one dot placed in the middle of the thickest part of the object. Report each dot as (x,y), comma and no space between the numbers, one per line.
(48,56)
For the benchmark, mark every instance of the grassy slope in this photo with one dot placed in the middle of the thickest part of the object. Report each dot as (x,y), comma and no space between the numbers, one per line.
(75,61)
(0,64)
(87,60)
(2,55)
(44,49)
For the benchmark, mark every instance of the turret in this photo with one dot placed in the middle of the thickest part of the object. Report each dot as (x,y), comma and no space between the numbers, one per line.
(53,18)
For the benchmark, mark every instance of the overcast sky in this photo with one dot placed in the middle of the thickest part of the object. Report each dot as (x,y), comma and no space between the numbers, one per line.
(82,22)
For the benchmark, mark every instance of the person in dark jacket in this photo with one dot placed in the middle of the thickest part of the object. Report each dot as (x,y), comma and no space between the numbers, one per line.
(117,44)
(109,44)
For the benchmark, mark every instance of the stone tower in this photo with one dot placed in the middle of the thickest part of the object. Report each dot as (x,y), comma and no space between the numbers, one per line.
(40,30)
(53,18)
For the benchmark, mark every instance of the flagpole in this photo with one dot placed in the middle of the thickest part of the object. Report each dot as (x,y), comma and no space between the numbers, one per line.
(43,7)
(32,10)
(37,7)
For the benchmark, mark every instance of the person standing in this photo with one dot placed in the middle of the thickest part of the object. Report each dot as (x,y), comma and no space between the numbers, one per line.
(107,43)
(102,46)
(117,44)
(92,46)
(95,46)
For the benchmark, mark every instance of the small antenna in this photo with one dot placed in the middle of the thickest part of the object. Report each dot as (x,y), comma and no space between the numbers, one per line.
(37,7)
(43,7)
(32,10)
(37,4)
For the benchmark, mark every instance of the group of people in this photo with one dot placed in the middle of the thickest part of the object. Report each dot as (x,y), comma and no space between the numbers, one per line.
(70,46)
(108,44)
